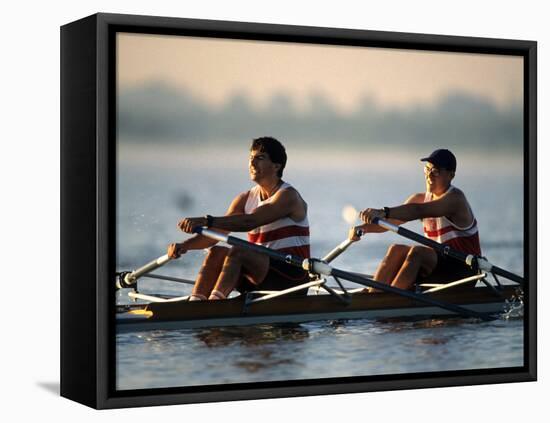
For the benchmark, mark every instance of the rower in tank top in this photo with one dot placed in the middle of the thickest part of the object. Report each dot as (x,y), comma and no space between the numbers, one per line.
(441,229)
(273,214)
(447,218)
(284,235)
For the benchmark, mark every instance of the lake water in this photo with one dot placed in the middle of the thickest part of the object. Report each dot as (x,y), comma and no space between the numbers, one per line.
(157,187)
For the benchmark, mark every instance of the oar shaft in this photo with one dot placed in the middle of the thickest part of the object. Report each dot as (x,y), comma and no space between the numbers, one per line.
(237,242)
(409,294)
(506,274)
(469,259)
(340,248)
(149,267)
(406,233)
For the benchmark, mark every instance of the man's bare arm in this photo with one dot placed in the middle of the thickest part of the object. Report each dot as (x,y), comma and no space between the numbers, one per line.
(199,242)
(444,206)
(284,204)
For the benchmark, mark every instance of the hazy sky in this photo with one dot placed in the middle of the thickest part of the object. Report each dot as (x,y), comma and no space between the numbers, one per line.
(216,69)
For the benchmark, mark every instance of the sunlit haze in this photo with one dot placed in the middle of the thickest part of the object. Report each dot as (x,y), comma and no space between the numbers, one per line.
(214,70)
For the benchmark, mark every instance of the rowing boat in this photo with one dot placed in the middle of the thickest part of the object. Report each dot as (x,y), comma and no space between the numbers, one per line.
(240,311)
(460,297)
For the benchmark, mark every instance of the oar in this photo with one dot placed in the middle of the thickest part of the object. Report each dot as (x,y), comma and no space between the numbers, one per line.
(350,215)
(129,279)
(469,259)
(322,268)
(340,248)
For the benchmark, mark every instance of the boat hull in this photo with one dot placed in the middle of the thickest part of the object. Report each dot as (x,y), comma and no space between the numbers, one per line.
(232,312)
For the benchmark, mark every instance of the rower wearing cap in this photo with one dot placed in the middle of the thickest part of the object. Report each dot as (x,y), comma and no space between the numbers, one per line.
(447,218)
(274,215)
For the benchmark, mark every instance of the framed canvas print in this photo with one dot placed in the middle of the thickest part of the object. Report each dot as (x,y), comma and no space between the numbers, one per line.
(257,211)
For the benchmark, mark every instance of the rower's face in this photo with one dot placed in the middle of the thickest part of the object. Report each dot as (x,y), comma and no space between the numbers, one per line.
(436,177)
(260,166)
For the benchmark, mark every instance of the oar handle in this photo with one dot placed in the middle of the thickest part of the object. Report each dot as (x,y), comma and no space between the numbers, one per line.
(238,242)
(469,259)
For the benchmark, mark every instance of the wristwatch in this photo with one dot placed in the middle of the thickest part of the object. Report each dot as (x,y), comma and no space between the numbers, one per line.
(386,212)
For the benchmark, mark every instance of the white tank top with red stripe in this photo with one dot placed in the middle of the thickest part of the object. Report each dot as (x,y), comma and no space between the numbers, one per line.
(442,230)
(284,235)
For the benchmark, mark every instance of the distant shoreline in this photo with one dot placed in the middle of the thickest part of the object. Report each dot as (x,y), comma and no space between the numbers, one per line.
(216,155)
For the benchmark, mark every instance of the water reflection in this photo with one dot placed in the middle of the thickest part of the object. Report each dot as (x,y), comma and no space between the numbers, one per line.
(251,335)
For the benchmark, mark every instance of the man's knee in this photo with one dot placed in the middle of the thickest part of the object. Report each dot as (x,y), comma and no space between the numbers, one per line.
(395,255)
(425,256)
(217,251)
(236,254)
(397,250)
(416,253)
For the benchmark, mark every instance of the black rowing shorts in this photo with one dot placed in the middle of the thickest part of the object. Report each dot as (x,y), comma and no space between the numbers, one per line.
(448,270)
(280,276)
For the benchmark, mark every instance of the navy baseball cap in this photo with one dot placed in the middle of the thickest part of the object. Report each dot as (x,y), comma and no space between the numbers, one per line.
(442,158)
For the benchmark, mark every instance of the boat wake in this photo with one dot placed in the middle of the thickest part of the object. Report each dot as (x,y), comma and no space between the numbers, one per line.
(513,307)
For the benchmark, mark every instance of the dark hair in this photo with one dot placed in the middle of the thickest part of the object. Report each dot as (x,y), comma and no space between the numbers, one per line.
(274,149)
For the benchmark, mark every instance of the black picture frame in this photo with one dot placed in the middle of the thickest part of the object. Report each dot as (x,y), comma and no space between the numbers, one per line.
(88,107)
